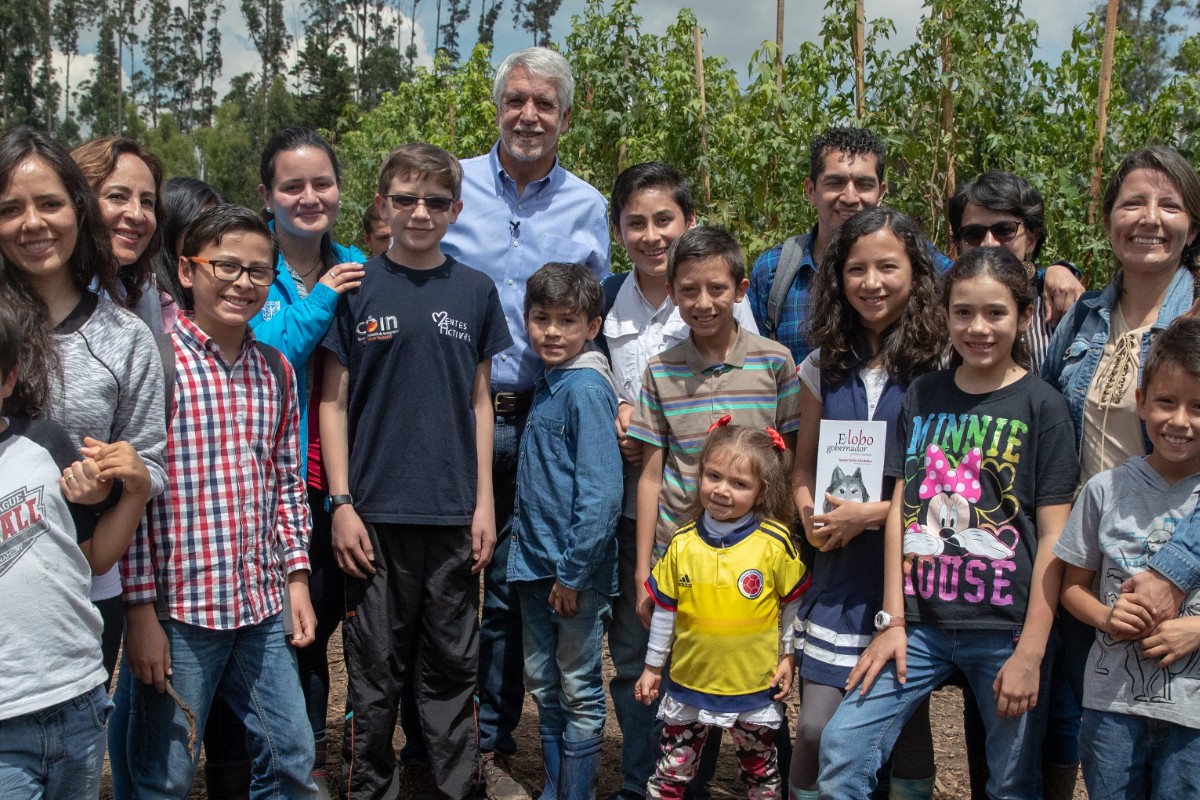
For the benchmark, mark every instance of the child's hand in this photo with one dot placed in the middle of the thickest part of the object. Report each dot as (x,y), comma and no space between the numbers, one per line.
(1016,685)
(646,688)
(146,646)
(1129,618)
(1172,640)
(304,619)
(483,536)
(783,675)
(564,601)
(847,520)
(890,645)
(351,543)
(643,603)
(79,484)
(118,460)
(344,277)
(631,449)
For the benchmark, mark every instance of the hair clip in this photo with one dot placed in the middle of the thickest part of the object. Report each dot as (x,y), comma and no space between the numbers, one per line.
(721,423)
(777,440)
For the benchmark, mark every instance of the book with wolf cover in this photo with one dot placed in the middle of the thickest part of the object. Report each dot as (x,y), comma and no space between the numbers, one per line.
(850,455)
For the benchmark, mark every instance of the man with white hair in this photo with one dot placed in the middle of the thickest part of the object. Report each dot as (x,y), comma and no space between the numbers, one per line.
(521,210)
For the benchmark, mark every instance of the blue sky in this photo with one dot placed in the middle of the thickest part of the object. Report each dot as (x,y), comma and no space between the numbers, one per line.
(733,29)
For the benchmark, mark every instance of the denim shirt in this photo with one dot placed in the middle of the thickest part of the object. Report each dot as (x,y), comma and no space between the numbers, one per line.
(568,484)
(1071,361)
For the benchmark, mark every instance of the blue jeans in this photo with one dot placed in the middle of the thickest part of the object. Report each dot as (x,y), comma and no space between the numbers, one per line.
(865,728)
(1137,758)
(564,661)
(501,688)
(254,669)
(56,753)
(627,645)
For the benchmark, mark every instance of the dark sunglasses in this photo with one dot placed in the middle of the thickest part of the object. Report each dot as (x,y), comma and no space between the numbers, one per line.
(230,271)
(1001,232)
(407,202)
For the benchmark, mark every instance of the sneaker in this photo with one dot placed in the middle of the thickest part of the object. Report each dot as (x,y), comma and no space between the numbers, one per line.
(416,783)
(499,783)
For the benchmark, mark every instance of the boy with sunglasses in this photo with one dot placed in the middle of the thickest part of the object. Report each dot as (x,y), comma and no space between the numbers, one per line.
(206,576)
(406,439)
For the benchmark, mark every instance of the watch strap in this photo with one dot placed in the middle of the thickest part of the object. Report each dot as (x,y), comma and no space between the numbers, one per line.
(336,500)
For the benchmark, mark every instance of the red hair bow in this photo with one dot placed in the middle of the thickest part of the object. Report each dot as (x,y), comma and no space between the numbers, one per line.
(721,423)
(777,440)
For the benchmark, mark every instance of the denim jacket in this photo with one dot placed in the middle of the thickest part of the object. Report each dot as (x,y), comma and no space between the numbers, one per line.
(1071,361)
(569,480)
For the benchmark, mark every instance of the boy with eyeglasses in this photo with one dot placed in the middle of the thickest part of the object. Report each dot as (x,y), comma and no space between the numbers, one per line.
(206,576)
(406,439)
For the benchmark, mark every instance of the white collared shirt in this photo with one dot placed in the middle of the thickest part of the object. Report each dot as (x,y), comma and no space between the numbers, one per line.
(637,331)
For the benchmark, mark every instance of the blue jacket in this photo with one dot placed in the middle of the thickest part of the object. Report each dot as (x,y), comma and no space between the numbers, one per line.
(1071,362)
(569,481)
(297,327)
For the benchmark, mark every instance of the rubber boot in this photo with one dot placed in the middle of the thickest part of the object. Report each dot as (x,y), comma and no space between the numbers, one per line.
(977,768)
(1058,780)
(227,780)
(580,763)
(802,794)
(552,751)
(911,789)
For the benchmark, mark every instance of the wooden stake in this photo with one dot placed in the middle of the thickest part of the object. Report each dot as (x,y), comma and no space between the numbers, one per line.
(779,46)
(947,103)
(704,179)
(1106,64)
(860,58)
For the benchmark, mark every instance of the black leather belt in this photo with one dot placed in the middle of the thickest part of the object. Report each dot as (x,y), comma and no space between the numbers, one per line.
(506,403)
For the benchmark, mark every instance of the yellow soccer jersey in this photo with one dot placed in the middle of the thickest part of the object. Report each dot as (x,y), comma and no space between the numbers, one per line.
(727,595)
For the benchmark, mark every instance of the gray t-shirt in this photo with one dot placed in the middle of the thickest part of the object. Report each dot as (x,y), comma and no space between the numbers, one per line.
(1121,518)
(49,629)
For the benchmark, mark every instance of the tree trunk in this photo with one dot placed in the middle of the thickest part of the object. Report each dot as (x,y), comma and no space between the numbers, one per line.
(1106,64)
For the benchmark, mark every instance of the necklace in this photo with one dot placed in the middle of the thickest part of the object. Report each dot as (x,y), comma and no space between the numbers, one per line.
(311,270)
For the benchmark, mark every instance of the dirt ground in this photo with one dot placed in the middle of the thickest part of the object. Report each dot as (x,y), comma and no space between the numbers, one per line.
(945,714)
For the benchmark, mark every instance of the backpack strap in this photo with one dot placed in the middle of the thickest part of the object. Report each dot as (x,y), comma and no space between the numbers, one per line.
(610,286)
(274,360)
(785,275)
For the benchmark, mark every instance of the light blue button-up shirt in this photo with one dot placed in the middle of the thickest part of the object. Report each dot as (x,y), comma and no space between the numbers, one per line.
(558,218)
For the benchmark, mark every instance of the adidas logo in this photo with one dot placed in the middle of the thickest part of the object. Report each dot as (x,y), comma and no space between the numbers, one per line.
(685,582)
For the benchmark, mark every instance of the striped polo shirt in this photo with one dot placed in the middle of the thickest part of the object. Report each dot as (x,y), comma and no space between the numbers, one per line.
(682,395)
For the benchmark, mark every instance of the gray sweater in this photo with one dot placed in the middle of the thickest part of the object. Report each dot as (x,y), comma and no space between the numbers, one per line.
(111,388)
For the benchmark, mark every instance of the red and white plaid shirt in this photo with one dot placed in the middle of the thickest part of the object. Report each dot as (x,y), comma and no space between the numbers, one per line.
(234,516)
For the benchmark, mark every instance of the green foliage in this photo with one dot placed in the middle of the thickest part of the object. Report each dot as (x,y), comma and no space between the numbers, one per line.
(637,98)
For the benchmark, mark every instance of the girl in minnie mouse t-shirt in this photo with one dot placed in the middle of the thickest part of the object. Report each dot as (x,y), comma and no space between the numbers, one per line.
(986,471)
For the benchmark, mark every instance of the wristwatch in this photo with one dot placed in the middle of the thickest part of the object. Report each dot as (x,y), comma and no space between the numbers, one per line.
(884,620)
(336,500)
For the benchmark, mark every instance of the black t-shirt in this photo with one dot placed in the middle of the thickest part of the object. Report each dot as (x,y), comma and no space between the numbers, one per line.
(412,341)
(976,467)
